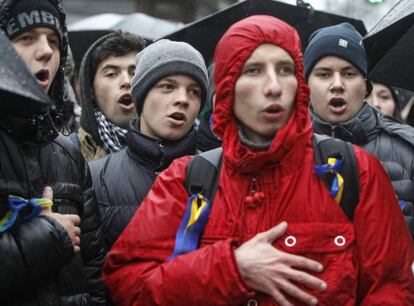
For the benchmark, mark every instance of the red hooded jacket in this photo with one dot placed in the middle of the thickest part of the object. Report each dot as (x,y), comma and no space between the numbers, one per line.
(366,262)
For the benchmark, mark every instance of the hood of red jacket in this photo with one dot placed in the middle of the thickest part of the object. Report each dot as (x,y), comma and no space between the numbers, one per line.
(232,51)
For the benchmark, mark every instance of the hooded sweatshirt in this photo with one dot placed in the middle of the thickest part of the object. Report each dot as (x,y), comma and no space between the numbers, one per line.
(361,263)
(91,144)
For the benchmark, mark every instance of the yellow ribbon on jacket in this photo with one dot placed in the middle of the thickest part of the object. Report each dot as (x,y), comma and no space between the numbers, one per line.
(338,183)
(196,209)
(16,204)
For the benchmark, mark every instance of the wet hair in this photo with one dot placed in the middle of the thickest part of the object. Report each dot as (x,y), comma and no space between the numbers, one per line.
(117,44)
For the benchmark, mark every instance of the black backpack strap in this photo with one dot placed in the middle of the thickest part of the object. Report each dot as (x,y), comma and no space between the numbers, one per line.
(325,147)
(203,172)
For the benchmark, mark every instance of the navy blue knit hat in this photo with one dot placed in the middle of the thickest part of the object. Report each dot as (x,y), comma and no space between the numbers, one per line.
(341,40)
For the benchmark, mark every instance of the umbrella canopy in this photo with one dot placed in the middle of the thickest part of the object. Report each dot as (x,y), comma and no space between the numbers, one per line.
(389,47)
(204,34)
(20,93)
(137,23)
(86,31)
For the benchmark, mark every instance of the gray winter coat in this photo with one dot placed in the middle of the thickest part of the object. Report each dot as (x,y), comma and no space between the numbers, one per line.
(386,138)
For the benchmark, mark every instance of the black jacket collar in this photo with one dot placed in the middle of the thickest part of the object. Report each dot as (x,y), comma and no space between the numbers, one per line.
(157,154)
(360,130)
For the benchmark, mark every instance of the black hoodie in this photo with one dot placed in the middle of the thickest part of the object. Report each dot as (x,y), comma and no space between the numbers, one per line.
(86,75)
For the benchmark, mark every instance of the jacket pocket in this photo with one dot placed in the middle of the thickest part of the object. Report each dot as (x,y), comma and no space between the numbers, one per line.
(332,245)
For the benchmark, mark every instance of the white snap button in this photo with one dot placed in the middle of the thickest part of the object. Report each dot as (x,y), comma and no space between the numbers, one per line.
(290,241)
(340,240)
(252,302)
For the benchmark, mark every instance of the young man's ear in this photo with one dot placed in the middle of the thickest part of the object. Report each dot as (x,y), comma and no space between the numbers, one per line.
(369,86)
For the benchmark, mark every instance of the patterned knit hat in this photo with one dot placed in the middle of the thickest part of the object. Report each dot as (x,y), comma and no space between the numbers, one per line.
(28,14)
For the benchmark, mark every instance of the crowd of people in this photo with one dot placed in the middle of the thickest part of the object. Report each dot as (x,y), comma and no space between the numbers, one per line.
(107,214)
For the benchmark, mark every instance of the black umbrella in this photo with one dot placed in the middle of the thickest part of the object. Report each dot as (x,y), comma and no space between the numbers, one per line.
(80,41)
(205,33)
(20,93)
(390,46)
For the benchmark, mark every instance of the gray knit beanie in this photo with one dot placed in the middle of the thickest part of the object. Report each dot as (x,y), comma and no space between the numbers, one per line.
(164,58)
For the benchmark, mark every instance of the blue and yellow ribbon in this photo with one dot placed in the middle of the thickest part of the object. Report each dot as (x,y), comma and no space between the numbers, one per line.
(333,166)
(192,225)
(16,204)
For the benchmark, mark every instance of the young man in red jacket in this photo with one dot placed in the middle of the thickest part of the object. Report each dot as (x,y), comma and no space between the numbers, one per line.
(274,235)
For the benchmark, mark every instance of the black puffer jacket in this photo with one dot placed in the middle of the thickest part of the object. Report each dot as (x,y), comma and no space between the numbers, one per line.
(38,266)
(122,180)
(390,141)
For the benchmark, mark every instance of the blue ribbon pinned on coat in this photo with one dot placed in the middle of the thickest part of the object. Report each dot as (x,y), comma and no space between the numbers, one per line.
(16,204)
(333,166)
(192,225)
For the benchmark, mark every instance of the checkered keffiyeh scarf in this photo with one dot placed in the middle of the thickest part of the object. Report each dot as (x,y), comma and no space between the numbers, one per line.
(112,136)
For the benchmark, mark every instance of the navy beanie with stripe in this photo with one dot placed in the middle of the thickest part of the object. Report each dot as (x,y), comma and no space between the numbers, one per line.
(341,40)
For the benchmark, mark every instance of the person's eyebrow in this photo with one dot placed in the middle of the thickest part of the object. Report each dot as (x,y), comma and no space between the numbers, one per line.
(110,66)
(349,67)
(286,62)
(170,80)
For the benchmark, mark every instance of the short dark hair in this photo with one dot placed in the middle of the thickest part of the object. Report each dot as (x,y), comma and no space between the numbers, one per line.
(117,44)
